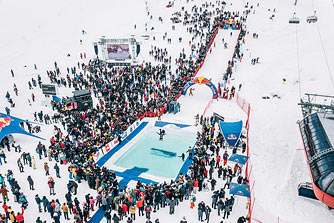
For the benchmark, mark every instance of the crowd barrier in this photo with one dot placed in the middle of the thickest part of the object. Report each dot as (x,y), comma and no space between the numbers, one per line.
(201,64)
(207,106)
(245,106)
(164,109)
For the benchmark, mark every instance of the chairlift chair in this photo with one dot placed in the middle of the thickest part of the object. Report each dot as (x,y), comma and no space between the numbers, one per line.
(312,18)
(294,19)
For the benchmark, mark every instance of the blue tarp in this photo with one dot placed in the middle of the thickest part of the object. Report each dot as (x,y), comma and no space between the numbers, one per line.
(238,159)
(231,131)
(10,125)
(240,189)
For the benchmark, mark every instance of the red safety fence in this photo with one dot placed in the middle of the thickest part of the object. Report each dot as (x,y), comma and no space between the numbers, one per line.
(207,106)
(245,106)
(164,109)
(201,64)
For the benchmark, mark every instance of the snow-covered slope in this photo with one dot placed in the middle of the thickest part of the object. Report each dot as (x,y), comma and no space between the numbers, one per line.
(41,32)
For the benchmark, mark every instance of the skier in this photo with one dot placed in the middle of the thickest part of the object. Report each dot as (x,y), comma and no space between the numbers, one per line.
(161,134)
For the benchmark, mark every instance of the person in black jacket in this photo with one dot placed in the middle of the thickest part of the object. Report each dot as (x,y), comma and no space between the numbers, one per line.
(38,201)
(242,219)
(183,220)
(107,215)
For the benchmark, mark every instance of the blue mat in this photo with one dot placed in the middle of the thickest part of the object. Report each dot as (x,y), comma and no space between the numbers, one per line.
(186,164)
(107,156)
(162,124)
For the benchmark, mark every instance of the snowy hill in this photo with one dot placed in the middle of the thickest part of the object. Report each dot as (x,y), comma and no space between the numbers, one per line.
(41,32)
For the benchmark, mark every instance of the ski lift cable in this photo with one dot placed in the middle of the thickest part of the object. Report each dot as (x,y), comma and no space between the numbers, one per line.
(297,51)
(298,67)
(324,51)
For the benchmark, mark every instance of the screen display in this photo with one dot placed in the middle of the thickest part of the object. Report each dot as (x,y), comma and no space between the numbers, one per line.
(118,51)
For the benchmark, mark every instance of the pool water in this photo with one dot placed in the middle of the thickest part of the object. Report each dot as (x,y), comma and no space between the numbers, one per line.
(161,158)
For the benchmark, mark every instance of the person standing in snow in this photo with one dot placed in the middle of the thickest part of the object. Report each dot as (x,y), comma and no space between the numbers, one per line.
(148,210)
(38,201)
(31,182)
(107,215)
(4,193)
(19,217)
(33,163)
(116,219)
(51,184)
(7,110)
(207,213)
(225,157)
(56,167)
(183,220)
(201,209)
(242,219)
(64,208)
(46,168)
(20,165)
(172,204)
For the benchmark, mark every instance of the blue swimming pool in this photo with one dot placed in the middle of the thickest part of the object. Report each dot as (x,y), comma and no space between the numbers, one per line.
(160,158)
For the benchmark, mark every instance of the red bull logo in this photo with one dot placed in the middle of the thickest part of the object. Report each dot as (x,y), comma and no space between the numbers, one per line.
(4,122)
(231,21)
(201,80)
(231,136)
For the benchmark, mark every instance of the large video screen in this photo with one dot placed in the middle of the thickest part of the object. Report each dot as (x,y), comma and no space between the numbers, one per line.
(118,51)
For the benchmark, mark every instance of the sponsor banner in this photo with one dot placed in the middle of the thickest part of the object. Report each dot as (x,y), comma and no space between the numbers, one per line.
(125,134)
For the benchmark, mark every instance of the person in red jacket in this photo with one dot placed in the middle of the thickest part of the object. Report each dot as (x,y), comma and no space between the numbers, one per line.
(51,184)
(225,157)
(217,161)
(148,210)
(140,206)
(19,217)
(195,186)
(5,207)
(125,209)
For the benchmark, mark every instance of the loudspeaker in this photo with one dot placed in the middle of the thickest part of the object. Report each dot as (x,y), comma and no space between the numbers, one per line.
(96,49)
(138,49)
